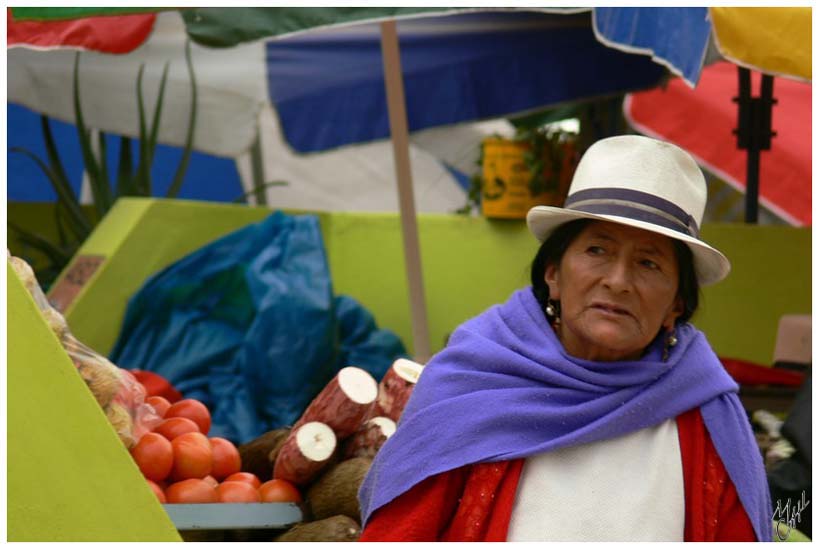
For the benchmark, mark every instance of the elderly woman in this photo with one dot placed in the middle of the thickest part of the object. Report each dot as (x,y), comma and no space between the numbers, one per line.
(585,407)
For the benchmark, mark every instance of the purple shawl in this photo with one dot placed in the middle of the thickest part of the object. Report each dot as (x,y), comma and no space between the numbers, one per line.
(505,388)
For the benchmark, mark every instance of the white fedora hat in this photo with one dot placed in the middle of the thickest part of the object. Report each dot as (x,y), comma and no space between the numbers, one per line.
(644,183)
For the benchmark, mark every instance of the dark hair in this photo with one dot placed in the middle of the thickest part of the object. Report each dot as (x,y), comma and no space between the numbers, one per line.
(552,250)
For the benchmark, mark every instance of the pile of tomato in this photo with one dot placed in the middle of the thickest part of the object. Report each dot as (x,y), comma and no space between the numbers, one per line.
(185,466)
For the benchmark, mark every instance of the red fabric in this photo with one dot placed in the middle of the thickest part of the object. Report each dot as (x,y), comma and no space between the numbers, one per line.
(156,384)
(474,502)
(483,514)
(713,510)
(108,34)
(746,373)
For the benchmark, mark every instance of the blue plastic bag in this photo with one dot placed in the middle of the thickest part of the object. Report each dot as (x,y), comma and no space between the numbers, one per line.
(249,326)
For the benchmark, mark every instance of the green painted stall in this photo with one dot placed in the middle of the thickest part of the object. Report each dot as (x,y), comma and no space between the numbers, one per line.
(468,263)
(69,478)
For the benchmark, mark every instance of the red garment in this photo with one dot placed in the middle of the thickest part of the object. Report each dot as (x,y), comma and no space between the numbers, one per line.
(474,503)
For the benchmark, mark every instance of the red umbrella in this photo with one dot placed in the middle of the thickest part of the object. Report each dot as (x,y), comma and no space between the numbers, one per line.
(119,33)
(701,121)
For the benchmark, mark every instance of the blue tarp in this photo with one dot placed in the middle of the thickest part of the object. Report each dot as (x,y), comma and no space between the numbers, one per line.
(249,326)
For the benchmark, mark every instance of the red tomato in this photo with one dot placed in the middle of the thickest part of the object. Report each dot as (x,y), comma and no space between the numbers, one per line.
(226,458)
(210,479)
(245,477)
(192,456)
(191,491)
(279,490)
(157,491)
(159,403)
(172,428)
(236,491)
(193,410)
(154,456)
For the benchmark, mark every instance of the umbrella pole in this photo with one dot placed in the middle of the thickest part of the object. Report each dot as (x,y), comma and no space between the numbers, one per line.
(754,132)
(752,184)
(394,87)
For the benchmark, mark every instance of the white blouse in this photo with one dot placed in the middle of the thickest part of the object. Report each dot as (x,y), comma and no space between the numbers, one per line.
(625,489)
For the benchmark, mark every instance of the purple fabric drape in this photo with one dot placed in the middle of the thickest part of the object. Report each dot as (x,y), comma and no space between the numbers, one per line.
(505,388)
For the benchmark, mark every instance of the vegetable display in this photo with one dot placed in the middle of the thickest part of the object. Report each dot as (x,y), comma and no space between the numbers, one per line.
(324,456)
(185,466)
(330,448)
(168,442)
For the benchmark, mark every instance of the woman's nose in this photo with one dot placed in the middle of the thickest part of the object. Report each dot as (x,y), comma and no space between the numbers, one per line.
(619,276)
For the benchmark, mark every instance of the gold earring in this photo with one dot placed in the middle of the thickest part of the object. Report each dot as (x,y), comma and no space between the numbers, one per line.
(552,312)
(671,342)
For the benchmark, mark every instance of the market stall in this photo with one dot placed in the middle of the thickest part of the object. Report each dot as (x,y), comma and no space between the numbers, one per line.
(469,264)
(140,237)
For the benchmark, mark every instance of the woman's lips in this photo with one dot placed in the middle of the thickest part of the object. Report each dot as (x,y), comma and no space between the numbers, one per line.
(611,309)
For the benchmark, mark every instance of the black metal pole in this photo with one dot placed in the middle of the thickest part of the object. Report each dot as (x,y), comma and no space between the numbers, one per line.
(752,184)
(754,132)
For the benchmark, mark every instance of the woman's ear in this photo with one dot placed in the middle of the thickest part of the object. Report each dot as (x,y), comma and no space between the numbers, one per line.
(675,311)
(551,278)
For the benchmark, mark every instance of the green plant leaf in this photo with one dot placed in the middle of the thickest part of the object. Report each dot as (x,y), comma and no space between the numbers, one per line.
(51,150)
(257,188)
(64,192)
(57,255)
(125,169)
(179,176)
(142,180)
(152,140)
(59,181)
(103,158)
(102,199)
(62,220)
(59,220)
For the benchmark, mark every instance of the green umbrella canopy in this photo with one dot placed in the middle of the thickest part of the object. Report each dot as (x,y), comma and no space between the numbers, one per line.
(225,27)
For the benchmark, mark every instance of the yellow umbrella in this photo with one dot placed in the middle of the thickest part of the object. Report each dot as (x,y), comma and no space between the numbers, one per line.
(775,41)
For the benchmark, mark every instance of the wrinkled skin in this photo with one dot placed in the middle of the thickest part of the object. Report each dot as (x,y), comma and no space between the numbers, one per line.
(618,286)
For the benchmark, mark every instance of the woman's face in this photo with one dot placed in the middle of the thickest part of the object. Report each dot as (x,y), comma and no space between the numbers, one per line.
(618,285)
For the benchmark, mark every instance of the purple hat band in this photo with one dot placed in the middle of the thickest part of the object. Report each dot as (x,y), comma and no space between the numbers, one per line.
(640,206)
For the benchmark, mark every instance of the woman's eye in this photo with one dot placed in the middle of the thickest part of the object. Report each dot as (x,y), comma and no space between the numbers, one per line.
(595,250)
(650,264)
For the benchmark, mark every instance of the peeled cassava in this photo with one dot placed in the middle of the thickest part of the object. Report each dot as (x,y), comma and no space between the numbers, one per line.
(343,403)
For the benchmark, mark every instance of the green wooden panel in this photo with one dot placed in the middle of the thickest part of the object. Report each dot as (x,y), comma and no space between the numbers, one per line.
(468,265)
(771,277)
(69,476)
